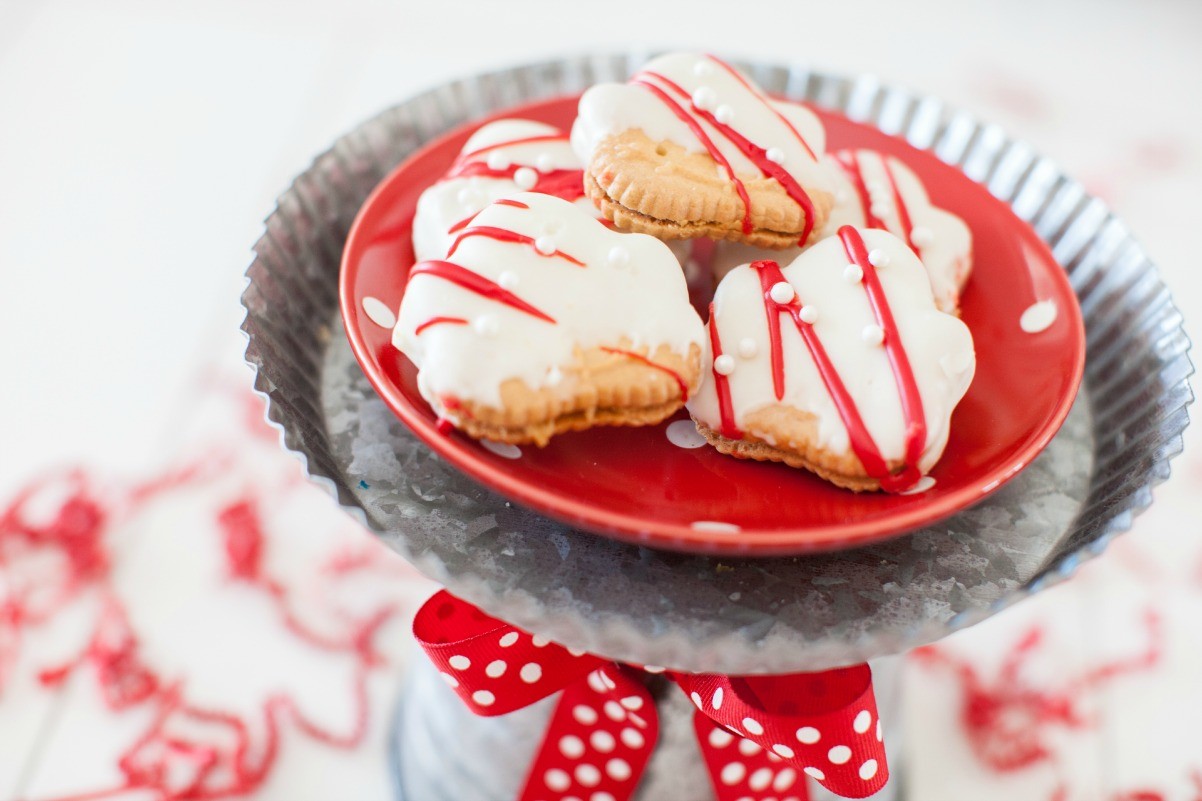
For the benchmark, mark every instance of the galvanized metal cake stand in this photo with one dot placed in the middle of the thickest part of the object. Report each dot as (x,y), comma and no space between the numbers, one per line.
(690,612)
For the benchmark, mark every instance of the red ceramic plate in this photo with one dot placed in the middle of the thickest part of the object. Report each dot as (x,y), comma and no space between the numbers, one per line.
(634,484)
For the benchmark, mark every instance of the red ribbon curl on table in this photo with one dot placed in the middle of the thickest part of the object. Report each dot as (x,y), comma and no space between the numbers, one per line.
(757,734)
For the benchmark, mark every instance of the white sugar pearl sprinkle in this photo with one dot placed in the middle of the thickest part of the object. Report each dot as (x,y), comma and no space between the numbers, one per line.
(815,773)
(760,780)
(868,770)
(717,699)
(602,741)
(862,721)
(618,256)
(557,780)
(632,738)
(808,735)
(783,750)
(496,669)
(808,314)
(733,773)
(724,114)
(618,769)
(484,698)
(703,68)
(588,775)
(775,155)
(531,672)
(585,715)
(748,348)
(782,292)
(512,637)
(873,334)
(753,726)
(571,746)
(545,245)
(853,273)
(878,258)
(497,161)
(724,365)
(704,98)
(460,662)
(544,162)
(839,754)
(525,178)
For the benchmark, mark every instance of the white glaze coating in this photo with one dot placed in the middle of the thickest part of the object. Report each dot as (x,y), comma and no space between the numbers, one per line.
(611,108)
(931,338)
(943,240)
(641,297)
(454,199)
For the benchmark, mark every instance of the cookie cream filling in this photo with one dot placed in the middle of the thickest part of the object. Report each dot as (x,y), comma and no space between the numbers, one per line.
(873,362)
(532,280)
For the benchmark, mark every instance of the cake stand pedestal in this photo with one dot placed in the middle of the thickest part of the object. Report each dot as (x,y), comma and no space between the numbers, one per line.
(695,613)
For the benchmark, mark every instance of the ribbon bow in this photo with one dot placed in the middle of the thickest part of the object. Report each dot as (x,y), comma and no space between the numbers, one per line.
(757,734)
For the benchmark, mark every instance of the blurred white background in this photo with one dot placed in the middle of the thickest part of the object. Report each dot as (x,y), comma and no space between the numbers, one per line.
(142,143)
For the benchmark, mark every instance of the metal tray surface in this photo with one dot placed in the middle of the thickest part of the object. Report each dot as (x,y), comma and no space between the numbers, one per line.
(694,612)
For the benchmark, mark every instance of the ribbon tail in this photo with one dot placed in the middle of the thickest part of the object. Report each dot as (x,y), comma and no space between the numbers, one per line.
(741,769)
(824,725)
(598,741)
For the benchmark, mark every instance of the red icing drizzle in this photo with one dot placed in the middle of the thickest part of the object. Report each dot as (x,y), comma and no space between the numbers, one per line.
(567,184)
(505,235)
(850,162)
(730,429)
(680,382)
(439,321)
(472,282)
(862,443)
(465,158)
(459,226)
(899,360)
(754,153)
(746,85)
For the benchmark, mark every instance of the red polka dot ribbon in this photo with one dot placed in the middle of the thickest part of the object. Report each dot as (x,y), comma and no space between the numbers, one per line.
(758,734)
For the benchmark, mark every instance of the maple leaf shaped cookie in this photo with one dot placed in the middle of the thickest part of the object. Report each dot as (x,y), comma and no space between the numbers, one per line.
(541,320)
(839,363)
(690,147)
